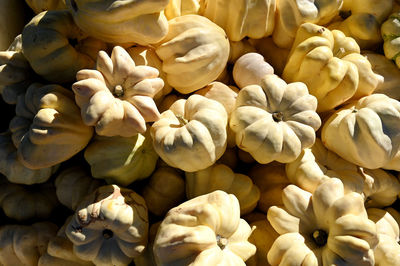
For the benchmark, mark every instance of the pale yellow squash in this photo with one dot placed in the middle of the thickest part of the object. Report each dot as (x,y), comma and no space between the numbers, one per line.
(109,226)
(128,21)
(177,8)
(327,227)
(57,58)
(47,128)
(365,132)
(204,230)
(331,66)
(242,18)
(44,5)
(194,52)
(117,97)
(275,121)
(191,135)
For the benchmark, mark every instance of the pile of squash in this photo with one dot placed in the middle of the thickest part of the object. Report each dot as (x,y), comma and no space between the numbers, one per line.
(200,132)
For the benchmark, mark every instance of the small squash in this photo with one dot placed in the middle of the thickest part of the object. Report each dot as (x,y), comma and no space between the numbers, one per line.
(327,227)
(47,128)
(191,135)
(121,160)
(44,5)
(275,121)
(369,129)
(109,226)
(177,8)
(55,57)
(128,21)
(194,52)
(243,18)
(117,98)
(204,230)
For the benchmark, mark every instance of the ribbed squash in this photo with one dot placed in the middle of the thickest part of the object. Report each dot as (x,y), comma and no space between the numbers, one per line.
(331,66)
(194,52)
(55,57)
(47,128)
(326,227)
(121,21)
(204,230)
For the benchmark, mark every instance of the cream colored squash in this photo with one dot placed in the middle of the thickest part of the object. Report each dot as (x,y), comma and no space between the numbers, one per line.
(194,52)
(15,72)
(168,100)
(27,202)
(44,5)
(12,168)
(128,21)
(362,20)
(327,227)
(177,8)
(249,69)
(387,252)
(121,160)
(55,57)
(275,121)
(73,184)
(117,97)
(388,70)
(109,227)
(146,56)
(191,135)
(221,177)
(60,251)
(243,18)
(331,66)
(12,21)
(292,13)
(204,230)
(165,190)
(365,132)
(24,244)
(47,128)
(271,179)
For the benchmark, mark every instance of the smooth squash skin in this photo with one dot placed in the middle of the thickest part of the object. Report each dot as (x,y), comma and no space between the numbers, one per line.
(12,21)
(204,230)
(327,227)
(43,5)
(113,21)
